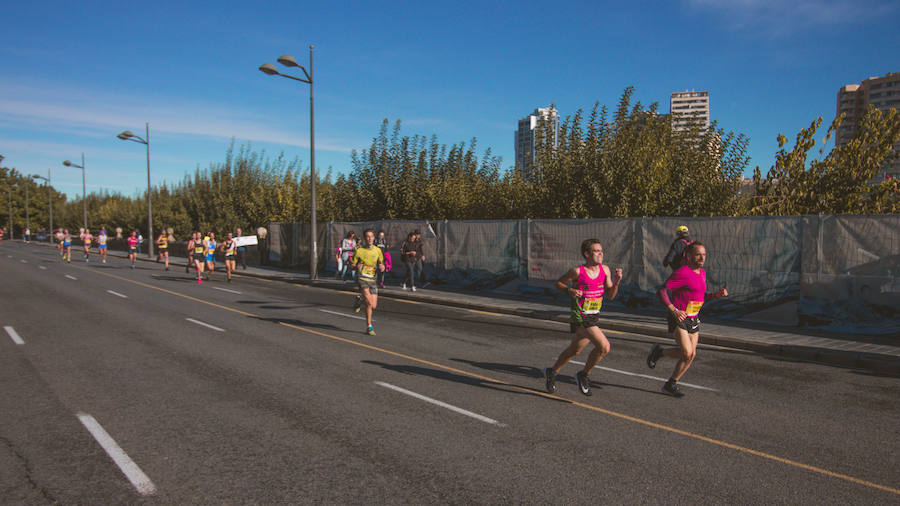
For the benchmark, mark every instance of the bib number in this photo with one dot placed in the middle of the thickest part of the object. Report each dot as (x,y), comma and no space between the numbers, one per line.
(591,305)
(367,271)
(693,308)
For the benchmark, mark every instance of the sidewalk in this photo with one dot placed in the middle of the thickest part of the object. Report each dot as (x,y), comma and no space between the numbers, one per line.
(879,354)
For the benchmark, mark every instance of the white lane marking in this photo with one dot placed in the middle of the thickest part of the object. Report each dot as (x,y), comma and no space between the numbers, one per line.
(8,256)
(14,335)
(42,267)
(226,290)
(342,314)
(24,261)
(647,376)
(198,322)
(441,404)
(73,278)
(117,294)
(131,470)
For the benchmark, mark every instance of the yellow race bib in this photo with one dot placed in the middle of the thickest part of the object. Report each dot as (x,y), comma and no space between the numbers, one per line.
(693,308)
(591,305)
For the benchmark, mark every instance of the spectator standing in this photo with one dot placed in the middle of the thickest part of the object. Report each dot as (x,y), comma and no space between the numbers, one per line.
(381,243)
(411,251)
(241,251)
(675,258)
(348,247)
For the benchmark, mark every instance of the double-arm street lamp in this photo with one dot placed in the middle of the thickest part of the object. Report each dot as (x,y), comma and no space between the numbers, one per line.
(128,136)
(9,190)
(289,61)
(67,163)
(49,199)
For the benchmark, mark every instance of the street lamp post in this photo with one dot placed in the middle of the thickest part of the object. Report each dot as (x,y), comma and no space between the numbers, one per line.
(289,61)
(9,190)
(26,236)
(50,200)
(67,163)
(128,136)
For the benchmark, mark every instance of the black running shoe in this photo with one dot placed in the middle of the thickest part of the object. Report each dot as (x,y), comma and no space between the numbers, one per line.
(671,388)
(655,353)
(550,377)
(583,382)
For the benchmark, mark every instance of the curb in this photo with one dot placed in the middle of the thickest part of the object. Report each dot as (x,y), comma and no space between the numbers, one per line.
(874,362)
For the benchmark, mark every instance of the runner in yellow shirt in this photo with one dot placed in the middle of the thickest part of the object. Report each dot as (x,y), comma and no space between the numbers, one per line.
(368,260)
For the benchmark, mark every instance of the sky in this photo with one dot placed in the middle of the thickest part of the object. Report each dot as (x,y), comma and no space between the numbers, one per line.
(75,74)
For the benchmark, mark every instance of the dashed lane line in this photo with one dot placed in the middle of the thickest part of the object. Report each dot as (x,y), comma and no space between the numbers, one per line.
(198,322)
(646,376)
(441,404)
(14,335)
(73,278)
(342,314)
(226,290)
(117,294)
(131,470)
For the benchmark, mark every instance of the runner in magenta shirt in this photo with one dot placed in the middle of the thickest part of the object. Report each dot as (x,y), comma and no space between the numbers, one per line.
(688,287)
(590,282)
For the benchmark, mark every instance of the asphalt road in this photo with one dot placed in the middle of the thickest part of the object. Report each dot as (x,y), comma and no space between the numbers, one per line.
(267,392)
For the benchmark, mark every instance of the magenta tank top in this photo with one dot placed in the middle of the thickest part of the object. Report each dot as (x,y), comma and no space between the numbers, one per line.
(592,290)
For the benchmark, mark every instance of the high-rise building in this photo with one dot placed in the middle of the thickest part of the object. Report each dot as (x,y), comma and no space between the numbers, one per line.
(882,93)
(689,108)
(525,137)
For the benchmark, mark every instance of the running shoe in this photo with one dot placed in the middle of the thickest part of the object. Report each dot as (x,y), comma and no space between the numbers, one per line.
(670,387)
(583,382)
(653,356)
(199,281)
(413,289)
(550,377)
(357,304)
(403,286)
(370,330)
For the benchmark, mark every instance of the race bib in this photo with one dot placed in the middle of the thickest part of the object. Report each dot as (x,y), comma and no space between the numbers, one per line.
(367,271)
(693,308)
(591,305)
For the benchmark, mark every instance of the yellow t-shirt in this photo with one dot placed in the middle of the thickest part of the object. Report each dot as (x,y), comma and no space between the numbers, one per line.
(369,259)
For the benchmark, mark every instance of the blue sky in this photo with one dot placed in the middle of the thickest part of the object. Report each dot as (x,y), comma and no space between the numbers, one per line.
(74,74)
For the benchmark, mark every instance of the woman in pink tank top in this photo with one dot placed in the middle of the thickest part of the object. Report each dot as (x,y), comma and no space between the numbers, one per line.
(591,282)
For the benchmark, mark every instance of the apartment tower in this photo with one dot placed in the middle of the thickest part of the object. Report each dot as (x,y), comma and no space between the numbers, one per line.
(688,108)
(882,93)
(526,135)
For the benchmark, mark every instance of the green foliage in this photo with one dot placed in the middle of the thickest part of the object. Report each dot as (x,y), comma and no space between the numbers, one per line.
(840,183)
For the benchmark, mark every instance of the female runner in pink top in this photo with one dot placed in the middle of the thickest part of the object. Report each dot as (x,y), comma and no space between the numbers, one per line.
(688,286)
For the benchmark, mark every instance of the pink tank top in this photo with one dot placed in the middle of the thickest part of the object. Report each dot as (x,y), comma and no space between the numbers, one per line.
(592,290)
(132,241)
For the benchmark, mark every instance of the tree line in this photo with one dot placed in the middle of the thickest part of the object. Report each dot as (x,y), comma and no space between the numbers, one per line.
(627,162)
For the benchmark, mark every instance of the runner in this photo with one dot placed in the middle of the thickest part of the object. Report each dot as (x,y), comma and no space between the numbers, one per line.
(368,259)
(59,243)
(210,254)
(199,249)
(86,240)
(163,243)
(381,242)
(67,246)
(133,247)
(190,253)
(101,243)
(591,281)
(1,236)
(229,248)
(688,286)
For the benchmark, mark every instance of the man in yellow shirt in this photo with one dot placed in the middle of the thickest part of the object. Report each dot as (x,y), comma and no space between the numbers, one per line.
(368,259)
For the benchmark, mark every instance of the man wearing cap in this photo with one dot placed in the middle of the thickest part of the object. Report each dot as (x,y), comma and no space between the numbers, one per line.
(675,257)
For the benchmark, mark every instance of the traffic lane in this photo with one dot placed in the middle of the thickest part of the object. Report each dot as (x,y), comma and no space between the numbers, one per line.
(787,418)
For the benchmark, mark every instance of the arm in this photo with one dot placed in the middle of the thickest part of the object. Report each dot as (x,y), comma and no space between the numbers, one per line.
(672,283)
(715,295)
(562,284)
(612,285)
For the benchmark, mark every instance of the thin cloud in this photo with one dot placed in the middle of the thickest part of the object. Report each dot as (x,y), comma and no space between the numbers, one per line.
(779,18)
(100,114)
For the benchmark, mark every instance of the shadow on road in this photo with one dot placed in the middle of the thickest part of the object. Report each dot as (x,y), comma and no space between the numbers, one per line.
(459,378)
(299,323)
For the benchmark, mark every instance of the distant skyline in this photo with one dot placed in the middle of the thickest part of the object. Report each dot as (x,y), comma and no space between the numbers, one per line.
(76,74)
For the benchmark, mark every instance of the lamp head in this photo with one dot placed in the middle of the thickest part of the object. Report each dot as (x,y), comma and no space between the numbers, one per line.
(125,135)
(268,68)
(67,163)
(288,61)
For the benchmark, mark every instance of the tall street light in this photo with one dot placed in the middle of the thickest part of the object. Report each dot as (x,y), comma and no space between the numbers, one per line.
(50,200)
(289,61)
(83,192)
(128,136)
(9,190)
(27,220)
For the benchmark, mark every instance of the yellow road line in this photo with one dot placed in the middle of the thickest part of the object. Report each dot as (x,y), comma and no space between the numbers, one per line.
(485,312)
(615,414)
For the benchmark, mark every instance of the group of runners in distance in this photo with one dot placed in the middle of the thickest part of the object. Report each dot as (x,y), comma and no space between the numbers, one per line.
(202,254)
(587,284)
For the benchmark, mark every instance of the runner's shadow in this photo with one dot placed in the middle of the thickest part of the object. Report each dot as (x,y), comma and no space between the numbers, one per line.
(458,378)
(519,370)
(299,323)
(173,278)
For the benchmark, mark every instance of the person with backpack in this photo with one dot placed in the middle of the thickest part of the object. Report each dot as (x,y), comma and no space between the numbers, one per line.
(675,258)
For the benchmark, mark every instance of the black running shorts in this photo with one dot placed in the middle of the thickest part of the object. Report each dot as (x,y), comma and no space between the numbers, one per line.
(691,324)
(368,283)
(586,321)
